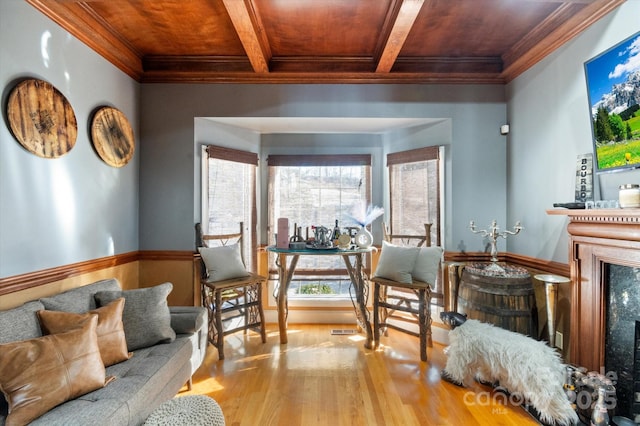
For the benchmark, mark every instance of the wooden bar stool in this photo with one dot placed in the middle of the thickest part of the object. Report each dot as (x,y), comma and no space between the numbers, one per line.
(231,294)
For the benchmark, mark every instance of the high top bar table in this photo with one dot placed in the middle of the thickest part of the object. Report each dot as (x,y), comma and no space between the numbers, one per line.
(353,259)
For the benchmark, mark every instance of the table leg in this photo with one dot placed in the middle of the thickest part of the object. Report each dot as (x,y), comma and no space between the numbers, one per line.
(360,284)
(284,280)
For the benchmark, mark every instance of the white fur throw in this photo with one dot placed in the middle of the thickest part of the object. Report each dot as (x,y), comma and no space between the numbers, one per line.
(523,366)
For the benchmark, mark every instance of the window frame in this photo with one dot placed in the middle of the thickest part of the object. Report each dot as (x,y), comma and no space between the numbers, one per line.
(314,161)
(214,152)
(402,158)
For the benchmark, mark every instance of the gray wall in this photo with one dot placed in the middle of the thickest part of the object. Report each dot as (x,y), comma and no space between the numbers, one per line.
(59,211)
(476,153)
(75,208)
(549,115)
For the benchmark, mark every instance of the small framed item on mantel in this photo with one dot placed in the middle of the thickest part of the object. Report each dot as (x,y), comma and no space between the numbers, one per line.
(584,178)
(584,183)
(112,136)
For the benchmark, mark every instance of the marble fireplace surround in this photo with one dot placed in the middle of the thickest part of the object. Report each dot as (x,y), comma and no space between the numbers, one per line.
(597,238)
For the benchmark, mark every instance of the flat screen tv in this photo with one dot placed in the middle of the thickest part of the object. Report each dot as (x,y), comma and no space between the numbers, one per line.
(613,86)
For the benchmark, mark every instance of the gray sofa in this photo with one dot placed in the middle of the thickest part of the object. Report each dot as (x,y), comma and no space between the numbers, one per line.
(151,376)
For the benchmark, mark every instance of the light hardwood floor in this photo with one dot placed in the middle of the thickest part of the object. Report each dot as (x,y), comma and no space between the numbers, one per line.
(324,379)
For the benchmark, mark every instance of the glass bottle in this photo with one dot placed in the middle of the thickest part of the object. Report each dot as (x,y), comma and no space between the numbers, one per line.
(599,415)
(570,387)
(336,234)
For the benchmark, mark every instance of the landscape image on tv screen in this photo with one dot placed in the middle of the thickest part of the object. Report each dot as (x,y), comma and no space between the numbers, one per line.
(613,84)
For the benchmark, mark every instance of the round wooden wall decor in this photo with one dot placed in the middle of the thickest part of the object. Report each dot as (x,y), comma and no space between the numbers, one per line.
(112,136)
(41,119)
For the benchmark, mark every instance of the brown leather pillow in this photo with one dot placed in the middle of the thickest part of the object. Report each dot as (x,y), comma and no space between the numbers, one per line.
(39,374)
(110,331)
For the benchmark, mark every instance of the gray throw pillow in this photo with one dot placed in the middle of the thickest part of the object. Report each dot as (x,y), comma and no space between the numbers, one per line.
(223,262)
(20,323)
(146,316)
(396,263)
(79,300)
(427,265)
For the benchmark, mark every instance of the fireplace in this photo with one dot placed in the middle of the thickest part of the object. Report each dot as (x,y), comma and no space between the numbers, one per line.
(605,273)
(621,338)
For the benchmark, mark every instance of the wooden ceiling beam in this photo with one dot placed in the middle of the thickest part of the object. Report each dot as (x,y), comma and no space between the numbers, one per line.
(404,21)
(251,33)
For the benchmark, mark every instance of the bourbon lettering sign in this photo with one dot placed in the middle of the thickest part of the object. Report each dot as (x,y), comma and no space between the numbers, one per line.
(584,178)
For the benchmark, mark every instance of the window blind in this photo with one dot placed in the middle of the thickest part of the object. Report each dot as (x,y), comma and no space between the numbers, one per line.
(414,182)
(230,188)
(319,160)
(230,154)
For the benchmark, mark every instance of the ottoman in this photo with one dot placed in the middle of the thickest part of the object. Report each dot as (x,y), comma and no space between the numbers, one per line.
(191,410)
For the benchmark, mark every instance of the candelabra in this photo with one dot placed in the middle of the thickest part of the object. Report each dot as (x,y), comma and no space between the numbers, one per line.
(493,233)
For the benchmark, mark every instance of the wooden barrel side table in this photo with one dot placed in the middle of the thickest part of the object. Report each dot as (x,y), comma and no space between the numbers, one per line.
(503,297)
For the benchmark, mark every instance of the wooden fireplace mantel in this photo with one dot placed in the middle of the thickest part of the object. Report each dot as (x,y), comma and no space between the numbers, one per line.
(597,237)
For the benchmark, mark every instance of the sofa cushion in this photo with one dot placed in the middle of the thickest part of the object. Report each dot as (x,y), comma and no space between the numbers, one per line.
(146,316)
(79,300)
(20,323)
(110,331)
(223,263)
(396,263)
(39,374)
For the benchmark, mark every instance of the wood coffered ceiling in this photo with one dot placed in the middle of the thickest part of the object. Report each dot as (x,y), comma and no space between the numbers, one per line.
(325,41)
